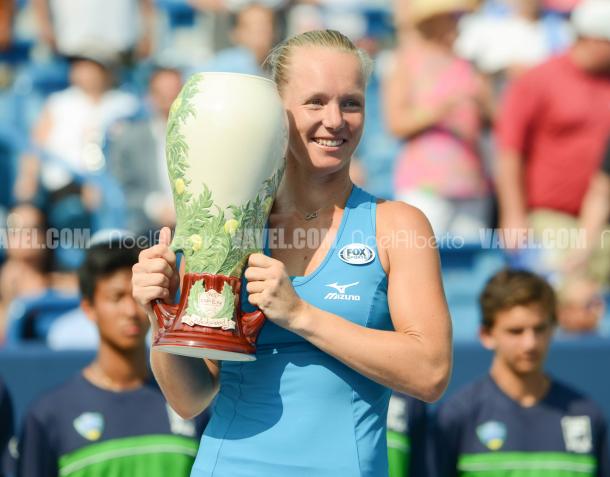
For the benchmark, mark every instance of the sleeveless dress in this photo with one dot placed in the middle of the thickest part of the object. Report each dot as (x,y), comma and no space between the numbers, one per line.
(296,411)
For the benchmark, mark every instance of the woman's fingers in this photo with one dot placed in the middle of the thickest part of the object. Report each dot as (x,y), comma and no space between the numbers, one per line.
(151,280)
(255,287)
(256,273)
(153,293)
(159,265)
(260,260)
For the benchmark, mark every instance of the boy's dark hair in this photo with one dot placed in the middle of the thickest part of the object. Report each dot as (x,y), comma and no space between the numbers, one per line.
(102,260)
(510,288)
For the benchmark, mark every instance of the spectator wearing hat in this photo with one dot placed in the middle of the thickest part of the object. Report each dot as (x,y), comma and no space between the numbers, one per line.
(551,134)
(437,103)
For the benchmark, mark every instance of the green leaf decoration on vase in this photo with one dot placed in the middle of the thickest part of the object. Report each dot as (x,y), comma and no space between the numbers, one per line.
(213,240)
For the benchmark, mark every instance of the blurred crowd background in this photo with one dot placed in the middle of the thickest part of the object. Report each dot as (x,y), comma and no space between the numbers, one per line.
(474,114)
(491,116)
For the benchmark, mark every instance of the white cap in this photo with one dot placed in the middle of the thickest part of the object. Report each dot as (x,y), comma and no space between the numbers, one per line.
(591,19)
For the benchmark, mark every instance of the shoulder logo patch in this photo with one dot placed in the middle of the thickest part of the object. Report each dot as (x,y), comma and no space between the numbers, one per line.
(577,433)
(90,425)
(357,254)
(492,434)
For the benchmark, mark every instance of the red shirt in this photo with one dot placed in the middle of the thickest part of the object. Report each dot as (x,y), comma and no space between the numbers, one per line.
(557,117)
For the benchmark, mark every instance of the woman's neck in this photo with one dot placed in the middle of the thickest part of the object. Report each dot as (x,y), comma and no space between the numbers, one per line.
(307,192)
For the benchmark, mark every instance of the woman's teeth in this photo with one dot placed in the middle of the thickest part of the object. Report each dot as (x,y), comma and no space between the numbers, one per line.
(329,142)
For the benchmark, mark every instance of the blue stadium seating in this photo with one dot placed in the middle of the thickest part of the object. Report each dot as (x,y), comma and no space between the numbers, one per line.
(29,318)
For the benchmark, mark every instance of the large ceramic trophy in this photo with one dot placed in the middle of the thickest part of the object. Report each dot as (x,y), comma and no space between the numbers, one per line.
(226,142)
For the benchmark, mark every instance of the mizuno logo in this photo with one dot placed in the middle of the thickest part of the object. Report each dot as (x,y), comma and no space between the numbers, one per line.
(340,293)
(341,288)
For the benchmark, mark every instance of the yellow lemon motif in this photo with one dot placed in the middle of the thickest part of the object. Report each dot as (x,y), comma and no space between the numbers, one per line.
(179,186)
(196,242)
(231,226)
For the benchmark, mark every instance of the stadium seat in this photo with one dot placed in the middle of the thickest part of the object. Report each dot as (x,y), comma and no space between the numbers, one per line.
(29,318)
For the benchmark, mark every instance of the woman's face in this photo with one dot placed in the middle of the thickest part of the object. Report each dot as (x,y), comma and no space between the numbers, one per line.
(324,99)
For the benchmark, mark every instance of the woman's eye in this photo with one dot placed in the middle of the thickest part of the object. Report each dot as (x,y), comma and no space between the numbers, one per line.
(352,104)
(315,102)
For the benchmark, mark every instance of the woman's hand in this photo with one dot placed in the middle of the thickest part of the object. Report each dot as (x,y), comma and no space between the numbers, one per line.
(155,276)
(270,289)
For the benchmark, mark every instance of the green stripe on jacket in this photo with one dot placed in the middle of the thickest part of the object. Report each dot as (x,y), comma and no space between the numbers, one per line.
(527,464)
(142,456)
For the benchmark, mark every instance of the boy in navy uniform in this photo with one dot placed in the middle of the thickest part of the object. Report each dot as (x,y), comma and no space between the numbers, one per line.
(517,421)
(109,419)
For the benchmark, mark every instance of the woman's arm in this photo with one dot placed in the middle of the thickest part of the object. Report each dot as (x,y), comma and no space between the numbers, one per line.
(188,384)
(416,358)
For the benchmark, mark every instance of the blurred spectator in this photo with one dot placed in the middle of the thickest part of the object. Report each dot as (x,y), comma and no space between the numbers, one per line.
(551,135)
(581,301)
(253,35)
(581,306)
(69,134)
(407,436)
(26,270)
(73,122)
(519,420)
(437,102)
(109,419)
(136,157)
(373,166)
(560,6)
(114,29)
(6,425)
(515,42)
(72,331)
(7,11)
(594,215)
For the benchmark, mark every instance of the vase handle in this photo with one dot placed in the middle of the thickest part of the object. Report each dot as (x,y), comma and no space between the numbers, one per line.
(251,325)
(165,313)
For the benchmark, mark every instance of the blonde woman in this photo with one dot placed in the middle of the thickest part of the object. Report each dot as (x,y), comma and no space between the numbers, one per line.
(314,402)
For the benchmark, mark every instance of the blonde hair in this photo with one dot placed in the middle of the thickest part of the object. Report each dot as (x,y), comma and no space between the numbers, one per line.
(279,58)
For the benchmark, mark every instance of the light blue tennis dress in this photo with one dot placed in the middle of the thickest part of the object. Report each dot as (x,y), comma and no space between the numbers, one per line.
(296,411)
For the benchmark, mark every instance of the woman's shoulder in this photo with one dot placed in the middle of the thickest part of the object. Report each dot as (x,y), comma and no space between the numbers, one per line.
(401,226)
(394,215)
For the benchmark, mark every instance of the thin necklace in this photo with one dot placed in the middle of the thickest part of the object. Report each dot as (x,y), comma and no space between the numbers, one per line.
(308,216)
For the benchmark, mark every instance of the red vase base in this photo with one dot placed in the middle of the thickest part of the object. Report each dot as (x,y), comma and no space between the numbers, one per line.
(207,346)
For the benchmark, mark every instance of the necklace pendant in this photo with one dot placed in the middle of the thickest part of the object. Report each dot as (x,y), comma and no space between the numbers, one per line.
(311,215)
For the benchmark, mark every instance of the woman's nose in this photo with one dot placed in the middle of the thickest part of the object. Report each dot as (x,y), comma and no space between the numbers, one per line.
(333,117)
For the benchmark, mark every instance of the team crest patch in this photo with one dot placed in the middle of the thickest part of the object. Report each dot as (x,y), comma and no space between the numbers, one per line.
(577,434)
(492,435)
(90,425)
(357,254)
